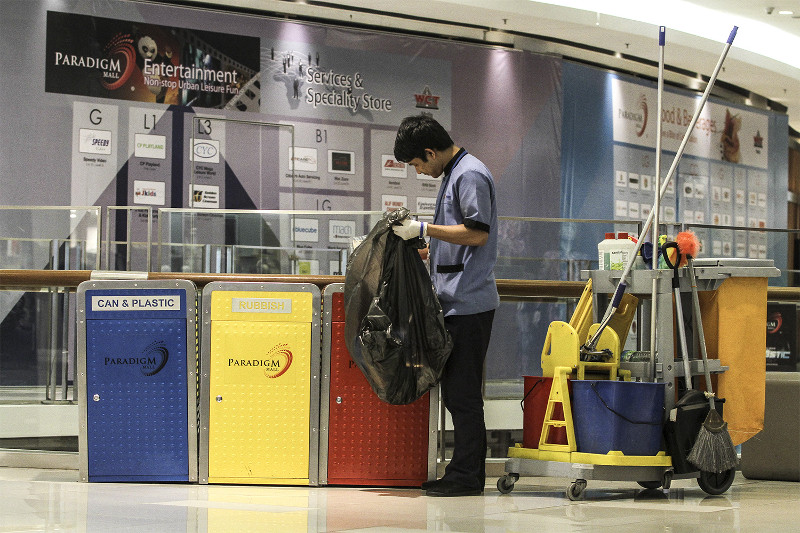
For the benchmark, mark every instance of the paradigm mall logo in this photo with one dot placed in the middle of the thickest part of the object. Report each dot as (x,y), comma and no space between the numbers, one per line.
(150,361)
(275,363)
(116,66)
(637,116)
(774,322)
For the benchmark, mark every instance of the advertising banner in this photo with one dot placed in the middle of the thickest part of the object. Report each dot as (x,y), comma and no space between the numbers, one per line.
(312,80)
(721,132)
(781,337)
(124,60)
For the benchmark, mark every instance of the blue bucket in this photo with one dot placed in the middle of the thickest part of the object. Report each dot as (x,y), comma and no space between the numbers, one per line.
(624,416)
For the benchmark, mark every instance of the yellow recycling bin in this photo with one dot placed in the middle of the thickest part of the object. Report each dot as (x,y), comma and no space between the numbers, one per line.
(259,388)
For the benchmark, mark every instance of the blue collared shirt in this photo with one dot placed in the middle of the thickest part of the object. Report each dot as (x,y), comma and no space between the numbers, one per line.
(464,275)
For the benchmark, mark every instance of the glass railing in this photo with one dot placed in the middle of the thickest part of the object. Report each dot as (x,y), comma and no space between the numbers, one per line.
(258,242)
(37,334)
(551,248)
(57,238)
(128,238)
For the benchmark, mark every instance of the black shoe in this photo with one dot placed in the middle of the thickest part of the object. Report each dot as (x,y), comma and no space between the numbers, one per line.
(448,488)
(430,484)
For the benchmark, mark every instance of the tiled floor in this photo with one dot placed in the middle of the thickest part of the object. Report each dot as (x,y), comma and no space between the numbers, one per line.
(54,500)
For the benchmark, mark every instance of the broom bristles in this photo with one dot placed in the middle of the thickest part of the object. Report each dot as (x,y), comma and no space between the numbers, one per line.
(713,450)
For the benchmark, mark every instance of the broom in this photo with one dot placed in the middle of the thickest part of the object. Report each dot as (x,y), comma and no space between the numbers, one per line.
(713,449)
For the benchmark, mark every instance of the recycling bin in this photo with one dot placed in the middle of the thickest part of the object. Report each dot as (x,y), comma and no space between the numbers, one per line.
(259,386)
(364,440)
(137,380)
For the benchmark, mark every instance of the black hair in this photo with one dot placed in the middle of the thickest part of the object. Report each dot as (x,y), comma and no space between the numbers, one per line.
(416,133)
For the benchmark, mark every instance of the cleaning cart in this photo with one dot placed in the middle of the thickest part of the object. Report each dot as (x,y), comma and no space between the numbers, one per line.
(613,425)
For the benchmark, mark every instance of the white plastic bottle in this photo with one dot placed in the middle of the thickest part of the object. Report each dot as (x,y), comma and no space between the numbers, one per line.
(623,251)
(604,249)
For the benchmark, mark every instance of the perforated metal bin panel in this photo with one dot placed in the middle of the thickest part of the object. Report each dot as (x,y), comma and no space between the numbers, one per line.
(259,392)
(137,364)
(365,441)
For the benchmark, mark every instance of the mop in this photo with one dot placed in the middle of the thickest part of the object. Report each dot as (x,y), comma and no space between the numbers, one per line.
(713,449)
(589,350)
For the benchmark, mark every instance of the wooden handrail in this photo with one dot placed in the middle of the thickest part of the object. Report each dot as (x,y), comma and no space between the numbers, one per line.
(508,288)
(38,279)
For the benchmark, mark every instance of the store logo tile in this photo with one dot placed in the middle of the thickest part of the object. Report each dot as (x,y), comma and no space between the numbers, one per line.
(392,168)
(206,150)
(391,202)
(341,231)
(427,100)
(150,146)
(426,206)
(305,229)
(304,159)
(94,141)
(205,196)
(149,192)
(341,162)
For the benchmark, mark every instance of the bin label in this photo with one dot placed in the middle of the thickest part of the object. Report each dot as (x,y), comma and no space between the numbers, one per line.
(136,303)
(261,305)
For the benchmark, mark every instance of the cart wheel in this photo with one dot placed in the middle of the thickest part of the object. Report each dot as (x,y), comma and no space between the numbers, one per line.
(506,483)
(650,485)
(716,482)
(577,490)
(667,481)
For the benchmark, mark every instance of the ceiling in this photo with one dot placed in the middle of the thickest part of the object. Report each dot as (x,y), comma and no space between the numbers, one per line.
(762,68)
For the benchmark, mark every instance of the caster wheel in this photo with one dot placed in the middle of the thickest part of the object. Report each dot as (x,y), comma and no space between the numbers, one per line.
(716,483)
(650,485)
(577,491)
(667,481)
(506,483)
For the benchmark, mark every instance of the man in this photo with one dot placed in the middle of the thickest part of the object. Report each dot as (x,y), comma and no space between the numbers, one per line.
(463,252)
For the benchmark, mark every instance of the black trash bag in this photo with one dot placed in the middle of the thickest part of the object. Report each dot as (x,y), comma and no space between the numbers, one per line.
(394,324)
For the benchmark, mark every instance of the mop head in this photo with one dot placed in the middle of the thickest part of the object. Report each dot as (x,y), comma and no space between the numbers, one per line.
(688,244)
(713,450)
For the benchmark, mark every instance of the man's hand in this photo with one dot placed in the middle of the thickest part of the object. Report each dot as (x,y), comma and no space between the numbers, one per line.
(408,229)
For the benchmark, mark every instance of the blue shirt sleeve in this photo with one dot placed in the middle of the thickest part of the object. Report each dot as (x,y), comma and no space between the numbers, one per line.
(475,196)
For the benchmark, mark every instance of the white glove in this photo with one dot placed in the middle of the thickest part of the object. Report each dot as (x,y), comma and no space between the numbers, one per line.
(408,229)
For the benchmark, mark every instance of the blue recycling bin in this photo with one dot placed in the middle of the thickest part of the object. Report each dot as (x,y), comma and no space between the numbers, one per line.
(137,368)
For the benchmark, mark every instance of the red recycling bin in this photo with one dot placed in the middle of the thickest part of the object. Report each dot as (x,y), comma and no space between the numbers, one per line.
(369,442)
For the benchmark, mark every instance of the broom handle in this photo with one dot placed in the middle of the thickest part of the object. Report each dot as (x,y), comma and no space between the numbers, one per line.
(698,321)
(621,286)
(687,369)
(657,204)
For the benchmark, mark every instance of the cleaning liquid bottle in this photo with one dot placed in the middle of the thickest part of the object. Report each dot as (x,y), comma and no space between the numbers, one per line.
(604,249)
(624,248)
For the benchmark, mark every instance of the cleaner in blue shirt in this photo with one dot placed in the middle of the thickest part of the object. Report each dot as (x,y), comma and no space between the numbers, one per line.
(463,252)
